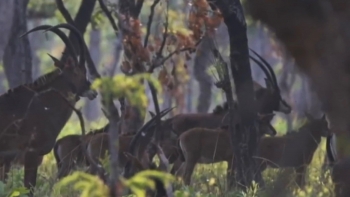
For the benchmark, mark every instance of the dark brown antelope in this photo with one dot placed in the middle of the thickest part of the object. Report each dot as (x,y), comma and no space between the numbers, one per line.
(68,151)
(201,145)
(268,100)
(294,150)
(98,145)
(160,189)
(34,114)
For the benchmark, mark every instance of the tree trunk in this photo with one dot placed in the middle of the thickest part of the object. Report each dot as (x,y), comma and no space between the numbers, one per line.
(6,13)
(81,21)
(131,116)
(17,56)
(91,109)
(201,63)
(245,139)
(36,42)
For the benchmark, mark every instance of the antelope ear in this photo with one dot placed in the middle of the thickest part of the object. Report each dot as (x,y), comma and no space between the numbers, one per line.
(308,116)
(152,114)
(268,84)
(57,63)
(256,86)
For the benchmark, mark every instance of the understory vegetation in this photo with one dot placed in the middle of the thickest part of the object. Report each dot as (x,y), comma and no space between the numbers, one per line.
(207,180)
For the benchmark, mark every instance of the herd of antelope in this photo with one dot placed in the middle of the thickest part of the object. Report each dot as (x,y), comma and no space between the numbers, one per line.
(34,114)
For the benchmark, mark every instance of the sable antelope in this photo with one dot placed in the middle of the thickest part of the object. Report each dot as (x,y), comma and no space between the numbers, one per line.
(68,151)
(201,145)
(268,100)
(160,189)
(34,114)
(99,144)
(293,150)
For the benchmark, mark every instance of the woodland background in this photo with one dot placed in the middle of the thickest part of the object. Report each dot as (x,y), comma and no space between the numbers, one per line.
(190,87)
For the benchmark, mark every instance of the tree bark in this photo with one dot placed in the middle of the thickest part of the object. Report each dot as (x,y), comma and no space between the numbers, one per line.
(17,56)
(91,109)
(201,63)
(36,42)
(244,140)
(81,21)
(6,13)
(131,116)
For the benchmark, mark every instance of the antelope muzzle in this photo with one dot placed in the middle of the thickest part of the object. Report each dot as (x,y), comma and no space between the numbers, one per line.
(86,91)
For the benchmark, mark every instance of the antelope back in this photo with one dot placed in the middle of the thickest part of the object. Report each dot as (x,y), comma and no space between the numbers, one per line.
(211,145)
(98,145)
(183,122)
(296,148)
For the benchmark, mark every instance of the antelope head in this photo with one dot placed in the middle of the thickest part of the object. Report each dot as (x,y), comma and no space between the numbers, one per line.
(269,98)
(265,126)
(318,124)
(73,71)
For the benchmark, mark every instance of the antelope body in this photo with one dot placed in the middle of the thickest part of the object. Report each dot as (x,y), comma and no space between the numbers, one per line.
(268,100)
(201,145)
(293,150)
(69,153)
(34,114)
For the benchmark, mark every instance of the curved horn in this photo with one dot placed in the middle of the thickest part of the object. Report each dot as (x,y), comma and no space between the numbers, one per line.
(81,42)
(56,61)
(268,67)
(146,127)
(267,73)
(62,35)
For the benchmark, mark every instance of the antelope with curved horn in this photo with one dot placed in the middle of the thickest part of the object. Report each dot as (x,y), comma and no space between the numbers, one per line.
(268,100)
(34,114)
(69,153)
(201,145)
(295,149)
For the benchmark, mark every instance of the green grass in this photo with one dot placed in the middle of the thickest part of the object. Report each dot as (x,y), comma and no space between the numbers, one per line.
(207,180)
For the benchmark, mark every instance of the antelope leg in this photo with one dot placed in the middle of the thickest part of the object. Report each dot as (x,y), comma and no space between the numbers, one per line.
(176,169)
(190,163)
(30,170)
(300,178)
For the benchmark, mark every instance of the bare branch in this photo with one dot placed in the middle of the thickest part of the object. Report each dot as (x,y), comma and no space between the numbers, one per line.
(64,12)
(138,7)
(165,35)
(109,15)
(160,61)
(149,23)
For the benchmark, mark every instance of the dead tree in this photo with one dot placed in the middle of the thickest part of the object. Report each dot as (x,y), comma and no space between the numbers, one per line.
(201,62)
(17,56)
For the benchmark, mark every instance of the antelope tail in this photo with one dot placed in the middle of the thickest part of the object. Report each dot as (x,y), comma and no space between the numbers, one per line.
(57,157)
(181,153)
